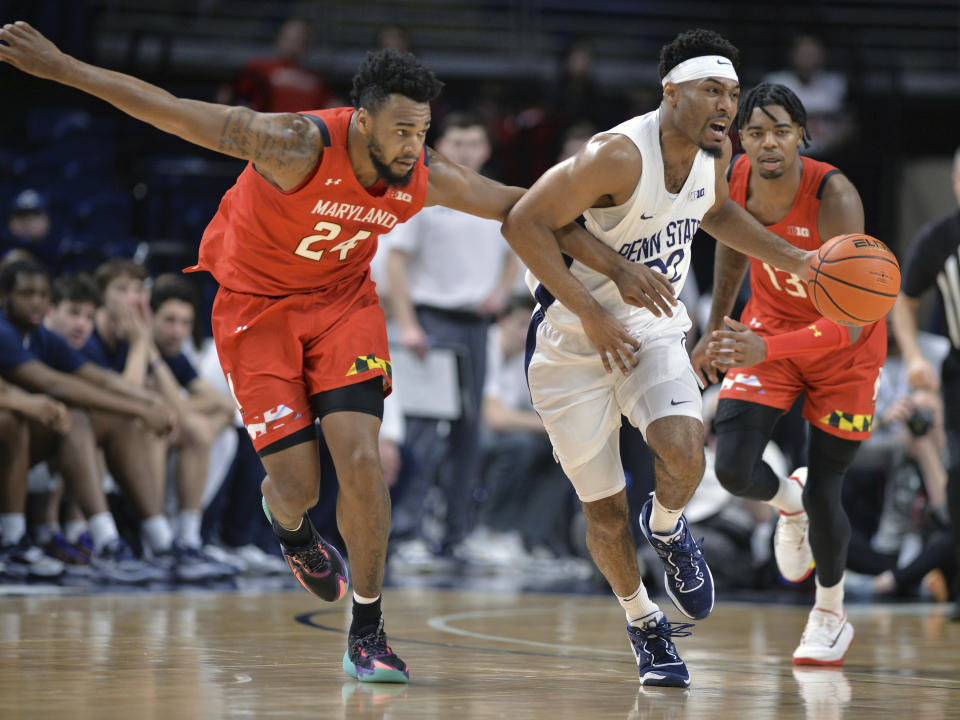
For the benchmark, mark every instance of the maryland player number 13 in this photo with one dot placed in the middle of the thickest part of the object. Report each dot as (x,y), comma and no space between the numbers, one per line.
(328,232)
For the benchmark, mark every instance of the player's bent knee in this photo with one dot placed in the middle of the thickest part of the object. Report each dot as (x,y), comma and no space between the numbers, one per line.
(601,476)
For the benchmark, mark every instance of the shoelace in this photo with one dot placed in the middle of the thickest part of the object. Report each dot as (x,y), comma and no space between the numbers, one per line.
(668,630)
(374,643)
(312,559)
(688,561)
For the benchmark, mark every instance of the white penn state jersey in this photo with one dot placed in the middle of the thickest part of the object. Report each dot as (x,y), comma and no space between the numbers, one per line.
(653,227)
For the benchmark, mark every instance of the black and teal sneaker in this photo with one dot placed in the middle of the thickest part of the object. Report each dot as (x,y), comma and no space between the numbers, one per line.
(369,659)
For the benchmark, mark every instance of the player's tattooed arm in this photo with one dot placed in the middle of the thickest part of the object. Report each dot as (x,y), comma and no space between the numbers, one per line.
(284,147)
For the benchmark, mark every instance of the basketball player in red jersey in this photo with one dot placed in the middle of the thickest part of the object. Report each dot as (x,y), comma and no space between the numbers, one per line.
(297,321)
(786,348)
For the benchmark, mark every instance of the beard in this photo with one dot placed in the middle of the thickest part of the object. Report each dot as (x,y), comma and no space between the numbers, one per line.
(383,169)
(711,150)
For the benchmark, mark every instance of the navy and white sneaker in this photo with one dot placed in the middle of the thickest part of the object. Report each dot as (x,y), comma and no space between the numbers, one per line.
(686,576)
(657,659)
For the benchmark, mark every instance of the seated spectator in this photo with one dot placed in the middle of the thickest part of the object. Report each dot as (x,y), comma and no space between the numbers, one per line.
(101,406)
(540,507)
(75,301)
(202,411)
(123,340)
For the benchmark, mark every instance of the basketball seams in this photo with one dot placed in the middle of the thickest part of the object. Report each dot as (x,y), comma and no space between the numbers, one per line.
(854,285)
(821,296)
(833,302)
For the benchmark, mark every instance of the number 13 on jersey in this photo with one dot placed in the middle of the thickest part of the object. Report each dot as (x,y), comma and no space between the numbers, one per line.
(328,232)
(791,284)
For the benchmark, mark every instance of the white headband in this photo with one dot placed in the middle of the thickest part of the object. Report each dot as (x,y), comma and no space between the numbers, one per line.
(701,67)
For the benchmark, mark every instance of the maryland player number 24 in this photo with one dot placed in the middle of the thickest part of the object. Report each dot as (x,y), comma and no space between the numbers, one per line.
(328,232)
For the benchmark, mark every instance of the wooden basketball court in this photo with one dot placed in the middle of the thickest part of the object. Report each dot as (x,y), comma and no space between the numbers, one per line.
(472,655)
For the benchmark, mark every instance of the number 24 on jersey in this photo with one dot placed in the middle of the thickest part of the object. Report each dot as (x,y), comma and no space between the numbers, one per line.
(328,232)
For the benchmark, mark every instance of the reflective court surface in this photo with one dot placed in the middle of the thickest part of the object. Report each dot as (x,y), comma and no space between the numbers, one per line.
(472,655)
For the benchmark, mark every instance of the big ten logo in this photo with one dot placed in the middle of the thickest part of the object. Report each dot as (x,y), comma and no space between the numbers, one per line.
(868,242)
(698,193)
(399,195)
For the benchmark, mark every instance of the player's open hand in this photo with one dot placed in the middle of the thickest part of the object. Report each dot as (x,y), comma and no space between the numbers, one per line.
(25,48)
(645,287)
(702,366)
(611,339)
(737,347)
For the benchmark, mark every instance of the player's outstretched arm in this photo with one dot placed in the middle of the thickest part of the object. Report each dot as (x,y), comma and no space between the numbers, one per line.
(284,146)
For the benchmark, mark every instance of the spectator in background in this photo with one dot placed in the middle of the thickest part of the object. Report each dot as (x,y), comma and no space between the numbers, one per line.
(280,83)
(101,408)
(822,92)
(527,494)
(75,302)
(934,259)
(30,228)
(449,274)
(123,341)
(202,411)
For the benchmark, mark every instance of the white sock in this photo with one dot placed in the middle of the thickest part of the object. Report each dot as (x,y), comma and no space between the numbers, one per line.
(13,526)
(44,532)
(73,529)
(189,528)
(103,529)
(156,533)
(830,598)
(789,498)
(638,604)
(365,600)
(664,521)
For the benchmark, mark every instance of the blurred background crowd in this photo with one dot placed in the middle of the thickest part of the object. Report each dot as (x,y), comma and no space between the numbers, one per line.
(104,212)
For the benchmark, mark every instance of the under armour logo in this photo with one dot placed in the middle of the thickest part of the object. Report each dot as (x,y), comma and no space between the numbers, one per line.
(754,323)
(331,181)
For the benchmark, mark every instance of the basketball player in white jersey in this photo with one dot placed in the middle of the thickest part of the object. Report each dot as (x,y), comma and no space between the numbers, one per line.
(644,188)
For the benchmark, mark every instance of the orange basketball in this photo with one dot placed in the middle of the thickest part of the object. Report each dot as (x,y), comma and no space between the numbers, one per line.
(854,279)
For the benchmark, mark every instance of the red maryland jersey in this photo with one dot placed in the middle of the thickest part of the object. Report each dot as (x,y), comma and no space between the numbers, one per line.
(265,241)
(774,292)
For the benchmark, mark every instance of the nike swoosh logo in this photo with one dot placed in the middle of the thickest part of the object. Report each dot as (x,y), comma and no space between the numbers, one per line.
(721,62)
(678,402)
(646,217)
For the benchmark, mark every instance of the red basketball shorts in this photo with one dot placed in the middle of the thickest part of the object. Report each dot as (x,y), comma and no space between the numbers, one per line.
(841,385)
(277,352)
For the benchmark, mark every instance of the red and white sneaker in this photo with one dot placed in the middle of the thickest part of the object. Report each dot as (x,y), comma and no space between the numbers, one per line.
(791,544)
(825,639)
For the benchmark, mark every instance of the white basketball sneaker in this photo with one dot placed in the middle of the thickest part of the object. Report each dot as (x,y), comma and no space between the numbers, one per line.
(825,639)
(791,546)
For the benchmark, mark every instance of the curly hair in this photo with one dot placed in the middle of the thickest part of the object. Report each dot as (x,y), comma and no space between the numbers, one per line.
(385,72)
(772,94)
(693,43)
